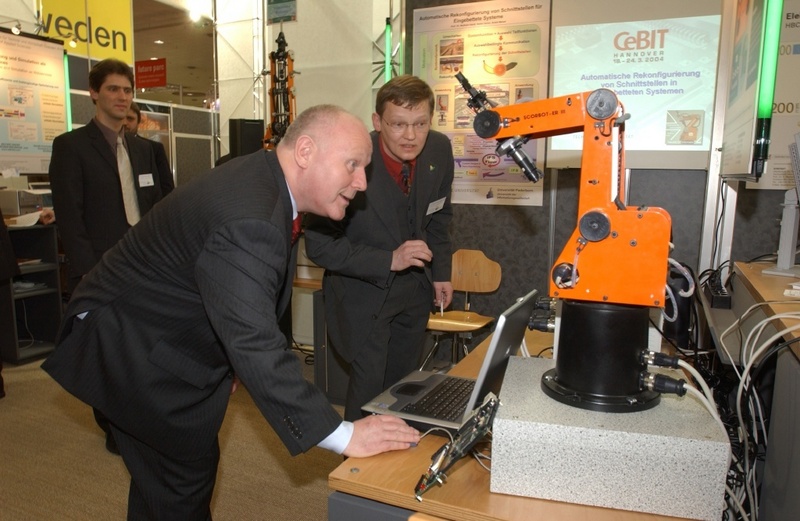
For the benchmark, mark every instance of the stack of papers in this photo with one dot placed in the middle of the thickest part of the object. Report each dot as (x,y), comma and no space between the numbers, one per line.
(22,286)
(23,221)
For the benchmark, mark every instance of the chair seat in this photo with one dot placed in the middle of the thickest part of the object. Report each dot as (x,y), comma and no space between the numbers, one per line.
(471,272)
(458,321)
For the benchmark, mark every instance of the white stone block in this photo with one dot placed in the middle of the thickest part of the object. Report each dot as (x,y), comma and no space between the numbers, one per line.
(669,460)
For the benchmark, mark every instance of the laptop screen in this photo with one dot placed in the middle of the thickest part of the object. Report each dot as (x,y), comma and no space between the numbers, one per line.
(506,340)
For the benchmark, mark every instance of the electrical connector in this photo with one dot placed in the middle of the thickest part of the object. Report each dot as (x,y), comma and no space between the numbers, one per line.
(660,359)
(545,322)
(716,294)
(662,384)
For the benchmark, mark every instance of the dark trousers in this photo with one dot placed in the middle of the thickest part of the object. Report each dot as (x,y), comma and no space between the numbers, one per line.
(394,347)
(164,488)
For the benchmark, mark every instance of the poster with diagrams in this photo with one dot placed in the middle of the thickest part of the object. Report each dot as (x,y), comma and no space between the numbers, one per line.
(501,47)
(32,101)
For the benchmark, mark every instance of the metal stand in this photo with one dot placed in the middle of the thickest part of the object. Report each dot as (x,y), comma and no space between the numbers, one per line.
(459,340)
(787,246)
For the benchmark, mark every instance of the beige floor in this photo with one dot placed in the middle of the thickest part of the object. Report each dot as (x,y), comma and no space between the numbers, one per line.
(55,466)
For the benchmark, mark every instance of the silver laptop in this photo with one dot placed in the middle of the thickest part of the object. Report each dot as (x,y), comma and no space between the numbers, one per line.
(417,398)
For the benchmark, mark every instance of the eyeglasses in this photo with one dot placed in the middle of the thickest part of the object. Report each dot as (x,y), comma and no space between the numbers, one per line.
(400,128)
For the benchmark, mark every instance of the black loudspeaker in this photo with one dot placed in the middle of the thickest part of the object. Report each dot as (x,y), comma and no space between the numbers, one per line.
(678,330)
(246,136)
(330,371)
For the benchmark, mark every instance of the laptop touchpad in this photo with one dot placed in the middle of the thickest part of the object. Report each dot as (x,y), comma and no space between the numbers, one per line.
(409,389)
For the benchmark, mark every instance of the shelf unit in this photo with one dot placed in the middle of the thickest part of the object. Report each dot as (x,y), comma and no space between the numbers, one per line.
(29,320)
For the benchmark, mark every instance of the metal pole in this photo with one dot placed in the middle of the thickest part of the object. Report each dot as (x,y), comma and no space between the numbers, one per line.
(265,83)
(215,131)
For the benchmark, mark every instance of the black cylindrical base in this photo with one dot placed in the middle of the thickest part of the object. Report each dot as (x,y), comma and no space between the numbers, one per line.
(598,364)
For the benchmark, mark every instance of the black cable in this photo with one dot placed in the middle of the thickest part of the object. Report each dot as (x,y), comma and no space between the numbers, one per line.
(309,359)
(763,257)
(680,350)
(724,199)
(702,277)
(694,318)
(751,389)
(729,279)
(540,353)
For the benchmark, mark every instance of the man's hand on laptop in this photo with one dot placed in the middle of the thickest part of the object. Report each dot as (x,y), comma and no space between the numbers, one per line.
(378,433)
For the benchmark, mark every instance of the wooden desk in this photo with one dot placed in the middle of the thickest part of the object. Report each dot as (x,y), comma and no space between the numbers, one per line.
(748,287)
(390,478)
(769,288)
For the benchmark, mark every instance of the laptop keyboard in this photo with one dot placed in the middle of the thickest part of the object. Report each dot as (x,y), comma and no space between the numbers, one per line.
(447,401)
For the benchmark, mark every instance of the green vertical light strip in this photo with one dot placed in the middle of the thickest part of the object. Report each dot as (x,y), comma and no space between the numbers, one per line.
(68,104)
(769,57)
(387,52)
(770,43)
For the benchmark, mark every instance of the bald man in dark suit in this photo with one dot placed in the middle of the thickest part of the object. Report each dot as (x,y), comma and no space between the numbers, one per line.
(191,296)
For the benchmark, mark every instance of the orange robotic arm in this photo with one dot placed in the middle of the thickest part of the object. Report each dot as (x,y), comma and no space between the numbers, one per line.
(617,254)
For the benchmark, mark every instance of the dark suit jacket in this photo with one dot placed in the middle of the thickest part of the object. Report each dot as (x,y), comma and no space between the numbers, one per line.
(87,196)
(188,297)
(357,252)
(164,171)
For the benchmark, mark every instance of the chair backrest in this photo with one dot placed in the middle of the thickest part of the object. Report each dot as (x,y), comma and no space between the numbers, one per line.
(474,272)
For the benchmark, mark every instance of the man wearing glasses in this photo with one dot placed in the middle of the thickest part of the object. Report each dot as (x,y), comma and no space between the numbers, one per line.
(387,264)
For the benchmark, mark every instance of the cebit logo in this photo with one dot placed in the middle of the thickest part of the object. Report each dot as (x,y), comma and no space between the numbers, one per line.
(654,39)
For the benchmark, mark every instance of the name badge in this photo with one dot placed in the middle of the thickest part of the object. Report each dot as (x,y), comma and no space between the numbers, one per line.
(145,180)
(436,206)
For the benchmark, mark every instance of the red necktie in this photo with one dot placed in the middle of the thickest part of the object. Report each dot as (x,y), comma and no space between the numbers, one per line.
(405,173)
(297,228)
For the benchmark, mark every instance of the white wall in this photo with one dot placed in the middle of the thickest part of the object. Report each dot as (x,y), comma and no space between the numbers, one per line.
(22,11)
(332,45)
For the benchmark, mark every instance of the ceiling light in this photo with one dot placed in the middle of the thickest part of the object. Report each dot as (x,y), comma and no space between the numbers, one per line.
(158,42)
(73,43)
(17,26)
(153,58)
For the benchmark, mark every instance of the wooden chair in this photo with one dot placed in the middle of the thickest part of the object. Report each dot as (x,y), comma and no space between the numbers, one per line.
(472,272)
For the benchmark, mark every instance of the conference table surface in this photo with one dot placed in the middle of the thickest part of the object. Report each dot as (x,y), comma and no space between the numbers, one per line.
(770,289)
(391,477)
